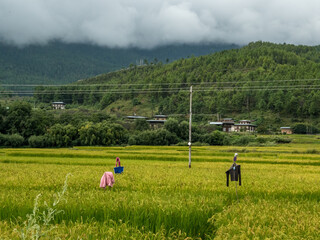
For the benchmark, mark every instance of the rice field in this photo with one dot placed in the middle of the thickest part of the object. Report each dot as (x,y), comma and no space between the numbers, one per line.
(159,197)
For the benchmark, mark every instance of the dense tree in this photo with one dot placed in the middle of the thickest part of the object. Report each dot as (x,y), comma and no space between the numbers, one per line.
(63,135)
(141,125)
(17,120)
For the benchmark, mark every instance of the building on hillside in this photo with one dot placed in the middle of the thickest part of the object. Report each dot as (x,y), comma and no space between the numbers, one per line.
(58,105)
(134,117)
(158,121)
(286,130)
(160,117)
(216,124)
(228,125)
(244,126)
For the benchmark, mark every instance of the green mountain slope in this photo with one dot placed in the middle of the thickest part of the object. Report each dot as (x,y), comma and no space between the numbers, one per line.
(248,82)
(59,63)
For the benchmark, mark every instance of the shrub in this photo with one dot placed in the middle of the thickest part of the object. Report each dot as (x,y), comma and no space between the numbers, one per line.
(262,140)
(141,125)
(158,137)
(281,140)
(104,133)
(214,138)
(14,140)
(242,140)
(40,141)
(302,128)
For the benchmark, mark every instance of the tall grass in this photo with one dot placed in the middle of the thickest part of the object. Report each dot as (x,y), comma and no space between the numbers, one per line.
(38,223)
(159,197)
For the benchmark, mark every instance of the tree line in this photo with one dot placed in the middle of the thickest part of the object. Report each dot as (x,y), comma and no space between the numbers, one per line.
(21,125)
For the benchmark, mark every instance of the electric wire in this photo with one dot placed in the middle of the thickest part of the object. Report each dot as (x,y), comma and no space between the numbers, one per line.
(156,84)
(168,90)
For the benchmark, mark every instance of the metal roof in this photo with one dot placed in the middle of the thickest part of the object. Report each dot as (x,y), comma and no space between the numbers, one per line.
(216,123)
(58,103)
(136,117)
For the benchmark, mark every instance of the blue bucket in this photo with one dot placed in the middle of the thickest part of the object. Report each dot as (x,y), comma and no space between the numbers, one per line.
(118,169)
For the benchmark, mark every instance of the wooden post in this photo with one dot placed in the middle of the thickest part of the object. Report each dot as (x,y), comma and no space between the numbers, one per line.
(190,120)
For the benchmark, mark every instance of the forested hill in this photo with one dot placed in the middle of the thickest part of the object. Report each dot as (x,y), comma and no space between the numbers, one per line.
(59,63)
(260,77)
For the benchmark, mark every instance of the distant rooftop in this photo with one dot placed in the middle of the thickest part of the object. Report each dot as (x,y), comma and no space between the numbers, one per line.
(58,103)
(216,123)
(136,117)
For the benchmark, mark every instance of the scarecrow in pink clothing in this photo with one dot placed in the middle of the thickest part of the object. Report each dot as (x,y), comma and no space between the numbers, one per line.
(107,179)
(118,162)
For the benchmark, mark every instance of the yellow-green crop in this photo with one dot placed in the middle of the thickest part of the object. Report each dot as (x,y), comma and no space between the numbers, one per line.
(159,197)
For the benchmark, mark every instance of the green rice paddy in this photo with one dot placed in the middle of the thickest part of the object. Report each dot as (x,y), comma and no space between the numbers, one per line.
(159,197)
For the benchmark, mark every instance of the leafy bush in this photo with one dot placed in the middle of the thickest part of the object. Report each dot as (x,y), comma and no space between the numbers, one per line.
(104,133)
(214,138)
(63,136)
(40,141)
(14,140)
(302,128)
(141,125)
(242,140)
(281,140)
(158,137)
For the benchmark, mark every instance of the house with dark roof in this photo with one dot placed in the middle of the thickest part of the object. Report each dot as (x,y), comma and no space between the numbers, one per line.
(229,125)
(158,121)
(286,130)
(58,105)
(244,126)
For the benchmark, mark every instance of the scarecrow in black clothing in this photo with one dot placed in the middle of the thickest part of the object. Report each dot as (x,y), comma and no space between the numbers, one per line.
(234,171)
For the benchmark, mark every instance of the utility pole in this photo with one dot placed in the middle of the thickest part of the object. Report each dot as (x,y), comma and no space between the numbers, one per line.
(190,120)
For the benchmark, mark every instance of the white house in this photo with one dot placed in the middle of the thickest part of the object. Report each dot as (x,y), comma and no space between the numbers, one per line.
(228,125)
(58,105)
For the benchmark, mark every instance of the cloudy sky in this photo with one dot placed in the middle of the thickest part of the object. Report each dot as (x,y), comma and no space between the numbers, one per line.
(150,23)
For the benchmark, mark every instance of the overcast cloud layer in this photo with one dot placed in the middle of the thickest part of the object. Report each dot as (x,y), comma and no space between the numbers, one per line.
(150,23)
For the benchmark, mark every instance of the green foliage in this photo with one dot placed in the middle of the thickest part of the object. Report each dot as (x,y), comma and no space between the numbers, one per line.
(278,139)
(302,128)
(106,100)
(60,63)
(257,74)
(141,125)
(38,224)
(42,141)
(14,140)
(103,133)
(261,81)
(158,137)
(17,118)
(159,197)
(214,138)
(180,129)
(242,139)
(63,135)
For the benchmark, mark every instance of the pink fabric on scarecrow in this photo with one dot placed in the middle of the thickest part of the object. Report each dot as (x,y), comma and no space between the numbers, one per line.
(118,162)
(107,180)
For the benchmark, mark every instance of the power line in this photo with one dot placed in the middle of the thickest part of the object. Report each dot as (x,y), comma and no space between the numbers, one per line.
(155,84)
(220,89)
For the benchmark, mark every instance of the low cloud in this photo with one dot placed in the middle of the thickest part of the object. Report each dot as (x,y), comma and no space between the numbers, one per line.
(146,24)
